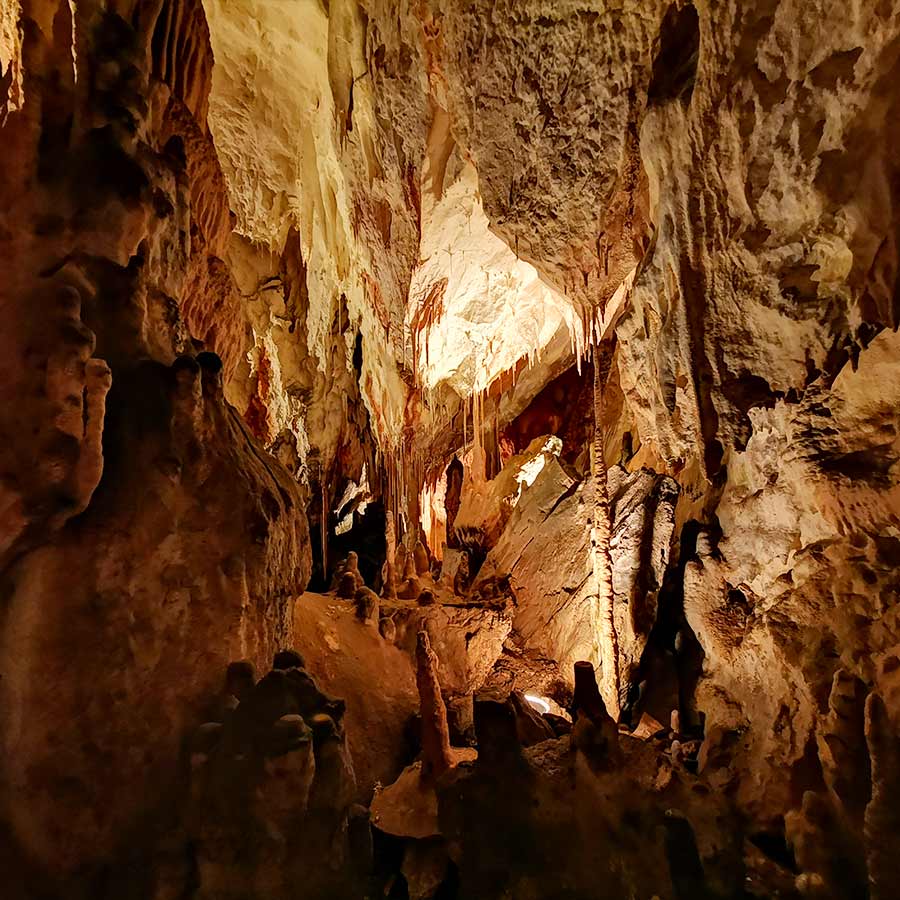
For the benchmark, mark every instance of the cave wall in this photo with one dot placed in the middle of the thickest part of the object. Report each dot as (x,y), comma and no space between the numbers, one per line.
(762,312)
(730,164)
(129,577)
(316,163)
(762,319)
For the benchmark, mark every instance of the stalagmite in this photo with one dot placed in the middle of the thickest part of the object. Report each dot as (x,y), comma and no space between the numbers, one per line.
(436,756)
(390,540)
(426,598)
(401,563)
(410,589)
(389,582)
(882,818)
(347,586)
(594,732)
(368,606)
(240,678)
(420,557)
(387,628)
(351,566)
(587,698)
(287,659)
(496,732)
(600,543)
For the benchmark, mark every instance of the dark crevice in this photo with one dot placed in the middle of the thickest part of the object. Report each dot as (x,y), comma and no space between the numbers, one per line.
(774,845)
(673,658)
(675,64)
(366,538)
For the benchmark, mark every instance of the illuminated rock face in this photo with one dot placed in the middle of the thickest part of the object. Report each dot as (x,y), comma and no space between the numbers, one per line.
(545,548)
(294,120)
(256,257)
(478,309)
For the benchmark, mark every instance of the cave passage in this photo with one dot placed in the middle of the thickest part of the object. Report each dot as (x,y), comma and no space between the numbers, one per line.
(449,450)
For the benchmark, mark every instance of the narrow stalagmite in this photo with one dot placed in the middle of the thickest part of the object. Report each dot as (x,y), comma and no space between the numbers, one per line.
(420,557)
(409,566)
(882,820)
(586,698)
(389,587)
(594,732)
(390,541)
(400,567)
(436,756)
(601,534)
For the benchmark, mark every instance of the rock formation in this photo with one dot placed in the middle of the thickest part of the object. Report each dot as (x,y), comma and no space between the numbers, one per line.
(502,396)
(271,795)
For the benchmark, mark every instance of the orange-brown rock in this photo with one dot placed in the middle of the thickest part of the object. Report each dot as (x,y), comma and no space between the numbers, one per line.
(140,584)
(137,571)
(436,756)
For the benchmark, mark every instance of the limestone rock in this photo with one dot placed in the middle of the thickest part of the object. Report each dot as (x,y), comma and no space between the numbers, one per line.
(262,264)
(531,727)
(554,612)
(367,606)
(387,628)
(376,680)
(409,589)
(420,558)
(435,733)
(467,639)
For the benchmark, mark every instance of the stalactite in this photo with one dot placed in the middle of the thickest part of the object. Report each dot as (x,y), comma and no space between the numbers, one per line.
(601,535)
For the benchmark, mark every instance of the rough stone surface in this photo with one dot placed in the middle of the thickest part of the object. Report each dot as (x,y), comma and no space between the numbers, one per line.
(545,548)
(376,680)
(467,638)
(130,577)
(365,236)
(147,605)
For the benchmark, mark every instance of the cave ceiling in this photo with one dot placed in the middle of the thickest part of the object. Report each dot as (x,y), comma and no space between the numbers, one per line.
(446,175)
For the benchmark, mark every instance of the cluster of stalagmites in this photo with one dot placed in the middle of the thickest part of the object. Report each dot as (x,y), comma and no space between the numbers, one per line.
(272,791)
(505,801)
(409,577)
(543,805)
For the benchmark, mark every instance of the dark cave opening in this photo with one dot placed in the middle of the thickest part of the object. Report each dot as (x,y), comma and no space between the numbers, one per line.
(677,57)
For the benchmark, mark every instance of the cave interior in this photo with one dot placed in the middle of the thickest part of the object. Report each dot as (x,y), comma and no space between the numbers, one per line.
(463,459)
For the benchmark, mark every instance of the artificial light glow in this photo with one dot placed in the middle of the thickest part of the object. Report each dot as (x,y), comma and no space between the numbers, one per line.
(530,470)
(539,703)
(351,493)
